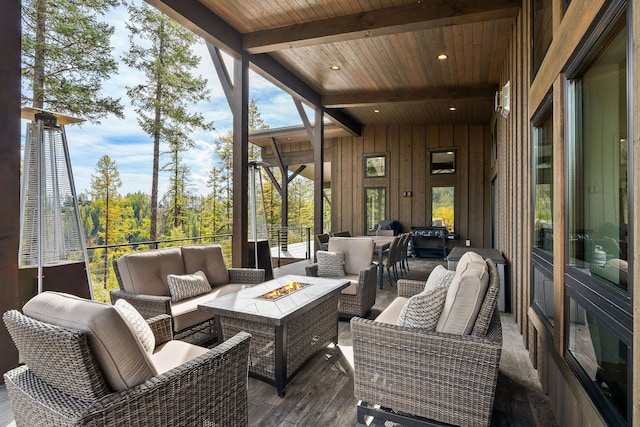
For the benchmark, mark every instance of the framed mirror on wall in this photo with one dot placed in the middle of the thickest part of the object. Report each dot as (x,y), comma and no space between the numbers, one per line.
(443,162)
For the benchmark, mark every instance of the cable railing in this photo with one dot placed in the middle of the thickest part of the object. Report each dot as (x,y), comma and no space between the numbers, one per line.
(290,243)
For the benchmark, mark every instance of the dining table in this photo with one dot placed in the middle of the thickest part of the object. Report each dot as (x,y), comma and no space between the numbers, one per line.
(382,244)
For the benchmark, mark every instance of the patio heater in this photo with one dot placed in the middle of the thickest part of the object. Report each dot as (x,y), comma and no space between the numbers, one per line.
(259,235)
(52,253)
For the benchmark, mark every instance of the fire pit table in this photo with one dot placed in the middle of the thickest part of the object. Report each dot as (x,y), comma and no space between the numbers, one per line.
(289,318)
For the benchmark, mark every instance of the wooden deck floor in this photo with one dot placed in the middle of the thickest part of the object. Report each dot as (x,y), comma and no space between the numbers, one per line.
(322,392)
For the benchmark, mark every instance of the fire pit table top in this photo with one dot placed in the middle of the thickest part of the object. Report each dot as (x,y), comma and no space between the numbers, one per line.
(250,304)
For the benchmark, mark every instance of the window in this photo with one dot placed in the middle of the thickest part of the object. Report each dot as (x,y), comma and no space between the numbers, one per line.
(443,162)
(375,166)
(597,282)
(541,32)
(374,208)
(543,184)
(443,207)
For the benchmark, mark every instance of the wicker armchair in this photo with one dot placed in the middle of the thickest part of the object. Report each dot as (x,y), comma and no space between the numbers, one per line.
(428,376)
(360,296)
(62,384)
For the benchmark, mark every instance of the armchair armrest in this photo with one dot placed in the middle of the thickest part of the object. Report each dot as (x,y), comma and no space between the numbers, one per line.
(408,288)
(246,275)
(438,372)
(211,389)
(147,305)
(161,328)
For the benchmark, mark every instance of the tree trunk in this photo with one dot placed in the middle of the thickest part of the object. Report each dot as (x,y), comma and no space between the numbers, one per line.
(153,232)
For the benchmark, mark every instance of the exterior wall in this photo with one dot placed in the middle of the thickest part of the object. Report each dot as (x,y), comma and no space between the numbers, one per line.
(570,402)
(408,169)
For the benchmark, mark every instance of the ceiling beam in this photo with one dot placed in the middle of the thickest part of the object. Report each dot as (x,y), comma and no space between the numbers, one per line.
(195,16)
(422,15)
(359,99)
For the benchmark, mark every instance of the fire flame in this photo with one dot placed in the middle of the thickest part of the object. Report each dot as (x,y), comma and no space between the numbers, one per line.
(283,291)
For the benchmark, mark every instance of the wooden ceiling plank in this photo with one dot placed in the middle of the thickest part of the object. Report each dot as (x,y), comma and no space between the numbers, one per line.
(468,93)
(391,20)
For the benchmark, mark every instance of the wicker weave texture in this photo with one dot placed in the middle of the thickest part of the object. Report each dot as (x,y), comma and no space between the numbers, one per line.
(306,333)
(208,390)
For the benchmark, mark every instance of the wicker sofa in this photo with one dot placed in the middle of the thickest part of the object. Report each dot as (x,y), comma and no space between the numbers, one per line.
(142,278)
(358,298)
(85,365)
(419,376)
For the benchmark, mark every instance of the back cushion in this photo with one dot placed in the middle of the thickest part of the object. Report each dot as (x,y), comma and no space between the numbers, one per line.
(466,258)
(464,298)
(206,258)
(118,352)
(146,272)
(358,252)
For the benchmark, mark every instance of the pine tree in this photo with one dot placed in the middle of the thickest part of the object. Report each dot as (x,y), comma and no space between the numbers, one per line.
(66,55)
(161,48)
(105,183)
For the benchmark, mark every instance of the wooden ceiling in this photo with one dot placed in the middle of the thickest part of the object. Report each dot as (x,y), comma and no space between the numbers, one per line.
(386,50)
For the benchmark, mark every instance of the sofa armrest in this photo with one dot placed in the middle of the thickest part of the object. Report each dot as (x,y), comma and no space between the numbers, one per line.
(311,270)
(246,275)
(147,305)
(161,328)
(437,371)
(408,288)
(211,389)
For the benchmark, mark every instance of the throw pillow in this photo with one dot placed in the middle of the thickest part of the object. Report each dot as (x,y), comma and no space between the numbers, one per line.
(137,324)
(423,310)
(183,286)
(330,264)
(439,277)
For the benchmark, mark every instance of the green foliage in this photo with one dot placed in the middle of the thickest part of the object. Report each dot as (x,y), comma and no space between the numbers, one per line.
(66,55)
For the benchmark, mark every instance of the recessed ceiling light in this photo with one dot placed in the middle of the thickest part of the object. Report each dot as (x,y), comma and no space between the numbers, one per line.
(452,108)
(376,111)
(442,57)
(335,67)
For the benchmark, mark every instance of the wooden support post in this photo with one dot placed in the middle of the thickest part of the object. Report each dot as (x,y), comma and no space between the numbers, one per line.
(240,110)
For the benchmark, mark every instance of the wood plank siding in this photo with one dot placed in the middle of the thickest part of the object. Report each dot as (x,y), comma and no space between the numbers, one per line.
(408,149)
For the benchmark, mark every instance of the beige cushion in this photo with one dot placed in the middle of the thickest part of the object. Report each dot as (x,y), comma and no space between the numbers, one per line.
(464,298)
(439,277)
(207,258)
(392,312)
(117,350)
(423,310)
(173,354)
(466,258)
(358,252)
(330,264)
(137,324)
(186,314)
(146,272)
(183,286)
(352,289)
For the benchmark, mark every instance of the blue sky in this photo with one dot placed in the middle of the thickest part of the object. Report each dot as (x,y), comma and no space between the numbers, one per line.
(132,149)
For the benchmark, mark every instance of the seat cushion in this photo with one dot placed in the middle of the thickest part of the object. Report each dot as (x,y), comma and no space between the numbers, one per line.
(173,354)
(146,272)
(207,258)
(117,350)
(352,289)
(330,264)
(392,312)
(137,324)
(464,298)
(183,286)
(185,313)
(423,310)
